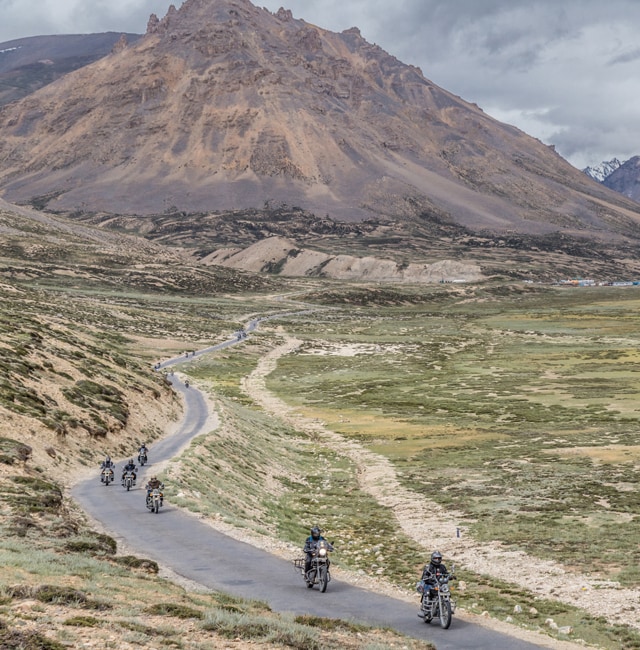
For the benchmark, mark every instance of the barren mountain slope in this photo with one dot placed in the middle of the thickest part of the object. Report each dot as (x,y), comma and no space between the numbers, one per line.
(27,64)
(224,105)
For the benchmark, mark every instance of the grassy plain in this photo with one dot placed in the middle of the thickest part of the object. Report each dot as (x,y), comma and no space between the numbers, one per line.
(517,406)
(514,404)
(519,410)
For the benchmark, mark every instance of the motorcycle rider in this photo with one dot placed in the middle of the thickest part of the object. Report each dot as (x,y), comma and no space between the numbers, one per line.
(107,463)
(143,450)
(129,467)
(434,568)
(310,546)
(154,483)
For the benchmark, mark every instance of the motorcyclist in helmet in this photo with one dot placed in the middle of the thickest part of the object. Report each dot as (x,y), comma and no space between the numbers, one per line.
(107,463)
(310,546)
(129,467)
(429,575)
(154,483)
(143,450)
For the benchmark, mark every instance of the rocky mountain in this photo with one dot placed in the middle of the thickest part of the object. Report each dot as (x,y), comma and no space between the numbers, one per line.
(27,64)
(225,106)
(626,179)
(604,169)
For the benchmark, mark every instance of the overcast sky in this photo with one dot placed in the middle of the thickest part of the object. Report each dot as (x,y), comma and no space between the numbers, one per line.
(564,71)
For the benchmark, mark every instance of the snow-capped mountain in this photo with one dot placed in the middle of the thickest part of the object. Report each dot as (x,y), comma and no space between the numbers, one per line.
(604,169)
(626,179)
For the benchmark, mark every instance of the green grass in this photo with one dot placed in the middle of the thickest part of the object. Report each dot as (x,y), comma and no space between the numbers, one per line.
(526,399)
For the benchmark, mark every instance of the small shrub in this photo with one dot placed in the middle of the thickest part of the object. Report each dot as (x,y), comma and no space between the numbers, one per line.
(329,624)
(82,621)
(60,595)
(26,640)
(89,546)
(133,562)
(12,451)
(173,609)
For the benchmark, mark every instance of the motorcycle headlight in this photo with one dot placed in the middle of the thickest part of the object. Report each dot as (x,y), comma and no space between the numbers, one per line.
(322,552)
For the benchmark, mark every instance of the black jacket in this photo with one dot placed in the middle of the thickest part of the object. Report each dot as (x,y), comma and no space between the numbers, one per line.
(311,544)
(430,570)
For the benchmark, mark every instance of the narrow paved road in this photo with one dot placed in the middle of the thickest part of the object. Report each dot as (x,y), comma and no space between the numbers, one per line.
(193,549)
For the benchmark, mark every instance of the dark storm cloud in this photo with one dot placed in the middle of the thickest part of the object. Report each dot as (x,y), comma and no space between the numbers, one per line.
(564,71)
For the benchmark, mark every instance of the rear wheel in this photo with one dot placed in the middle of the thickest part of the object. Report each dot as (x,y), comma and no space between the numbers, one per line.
(445,614)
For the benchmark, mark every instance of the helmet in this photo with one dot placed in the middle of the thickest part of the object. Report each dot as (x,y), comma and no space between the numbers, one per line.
(315,533)
(131,461)
(107,458)
(436,558)
(153,478)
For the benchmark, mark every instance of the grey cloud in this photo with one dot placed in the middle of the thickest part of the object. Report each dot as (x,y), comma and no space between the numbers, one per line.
(628,57)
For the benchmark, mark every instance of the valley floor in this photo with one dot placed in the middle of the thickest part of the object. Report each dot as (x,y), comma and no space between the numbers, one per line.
(433,527)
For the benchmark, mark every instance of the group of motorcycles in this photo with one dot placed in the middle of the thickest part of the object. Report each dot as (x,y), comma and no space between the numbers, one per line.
(155,497)
(436,602)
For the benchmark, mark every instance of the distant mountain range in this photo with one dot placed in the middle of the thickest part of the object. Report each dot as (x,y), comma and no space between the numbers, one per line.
(600,172)
(623,177)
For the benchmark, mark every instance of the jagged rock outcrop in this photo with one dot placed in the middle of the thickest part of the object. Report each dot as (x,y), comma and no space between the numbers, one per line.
(223,105)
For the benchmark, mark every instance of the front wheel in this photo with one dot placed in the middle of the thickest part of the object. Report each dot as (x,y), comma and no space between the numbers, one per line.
(323,578)
(445,614)
(156,507)
(427,610)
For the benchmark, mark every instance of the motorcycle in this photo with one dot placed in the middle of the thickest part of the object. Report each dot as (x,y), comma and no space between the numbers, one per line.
(142,458)
(436,599)
(128,481)
(154,500)
(106,476)
(318,573)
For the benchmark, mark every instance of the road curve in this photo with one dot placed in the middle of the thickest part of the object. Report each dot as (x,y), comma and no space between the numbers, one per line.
(193,549)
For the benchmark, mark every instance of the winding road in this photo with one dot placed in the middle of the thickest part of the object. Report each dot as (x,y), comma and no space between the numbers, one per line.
(193,549)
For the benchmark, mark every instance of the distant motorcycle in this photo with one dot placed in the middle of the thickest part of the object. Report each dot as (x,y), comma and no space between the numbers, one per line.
(106,475)
(142,458)
(154,500)
(128,480)
(318,573)
(436,599)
